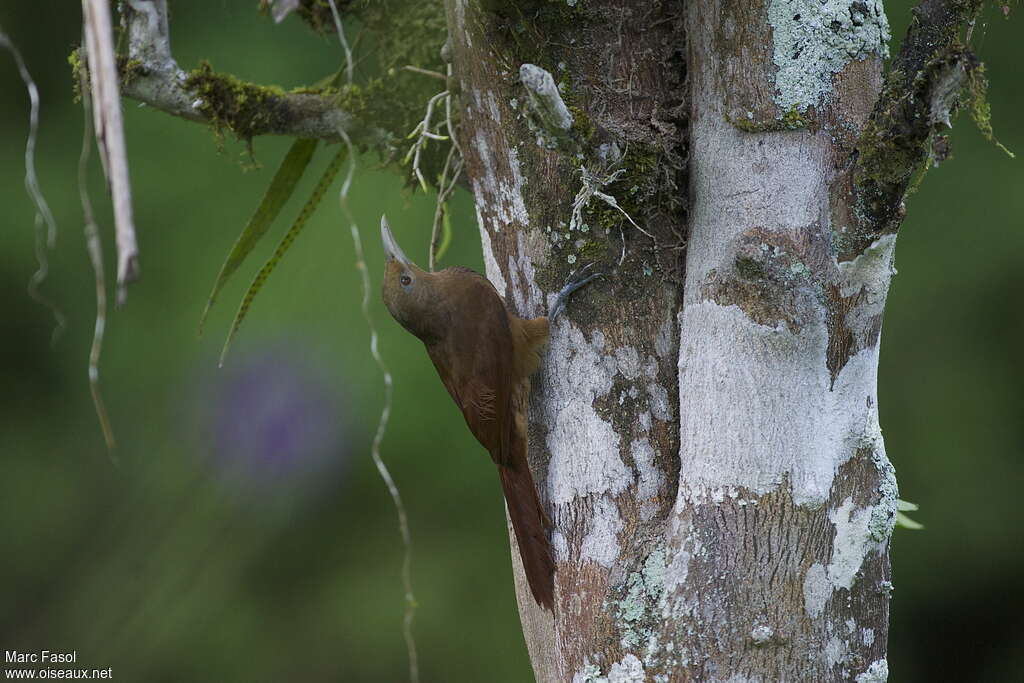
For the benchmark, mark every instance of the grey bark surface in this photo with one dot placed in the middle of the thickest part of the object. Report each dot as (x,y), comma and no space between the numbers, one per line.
(772,564)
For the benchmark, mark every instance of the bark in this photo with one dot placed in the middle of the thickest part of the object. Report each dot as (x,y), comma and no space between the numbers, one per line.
(604,416)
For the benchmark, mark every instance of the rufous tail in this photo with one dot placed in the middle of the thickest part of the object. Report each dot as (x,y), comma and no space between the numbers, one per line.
(530,525)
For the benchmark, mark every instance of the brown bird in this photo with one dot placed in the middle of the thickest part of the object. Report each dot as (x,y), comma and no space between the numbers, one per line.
(485,355)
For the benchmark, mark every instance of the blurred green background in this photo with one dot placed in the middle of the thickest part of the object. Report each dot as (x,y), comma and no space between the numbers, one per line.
(245,535)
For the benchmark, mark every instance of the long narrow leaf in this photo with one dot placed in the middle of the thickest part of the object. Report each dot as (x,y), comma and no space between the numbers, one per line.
(261,277)
(280,190)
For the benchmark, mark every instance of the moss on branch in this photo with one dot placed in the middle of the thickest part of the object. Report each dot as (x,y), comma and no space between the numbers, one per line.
(246,109)
(930,80)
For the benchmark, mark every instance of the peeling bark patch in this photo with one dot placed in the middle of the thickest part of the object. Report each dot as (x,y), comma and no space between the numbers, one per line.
(856,303)
(815,39)
(764,304)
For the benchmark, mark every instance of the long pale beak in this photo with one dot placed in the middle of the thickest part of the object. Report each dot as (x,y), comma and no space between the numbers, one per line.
(391,249)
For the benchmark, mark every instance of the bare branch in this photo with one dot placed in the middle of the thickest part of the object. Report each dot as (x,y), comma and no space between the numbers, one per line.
(154,78)
(99,41)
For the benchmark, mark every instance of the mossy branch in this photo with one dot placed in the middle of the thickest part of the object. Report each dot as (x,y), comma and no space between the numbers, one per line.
(151,75)
(922,89)
(377,113)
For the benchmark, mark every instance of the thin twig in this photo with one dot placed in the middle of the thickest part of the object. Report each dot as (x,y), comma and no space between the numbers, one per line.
(95,250)
(444,191)
(423,133)
(45,239)
(99,39)
(424,72)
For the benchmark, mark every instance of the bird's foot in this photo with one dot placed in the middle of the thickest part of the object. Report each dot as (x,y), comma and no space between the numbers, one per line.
(578,279)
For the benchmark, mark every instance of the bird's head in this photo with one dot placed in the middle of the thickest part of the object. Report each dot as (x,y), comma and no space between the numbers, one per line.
(408,292)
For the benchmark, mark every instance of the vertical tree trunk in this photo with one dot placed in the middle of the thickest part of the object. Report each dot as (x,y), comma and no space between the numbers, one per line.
(741,388)
(786,500)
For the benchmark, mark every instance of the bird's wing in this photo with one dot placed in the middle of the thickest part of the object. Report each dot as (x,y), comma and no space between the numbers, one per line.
(475,363)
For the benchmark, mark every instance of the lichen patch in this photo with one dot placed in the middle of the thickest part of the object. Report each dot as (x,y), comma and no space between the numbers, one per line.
(815,39)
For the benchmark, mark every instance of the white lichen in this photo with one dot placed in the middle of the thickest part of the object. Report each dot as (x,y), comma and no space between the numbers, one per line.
(629,670)
(643,601)
(817,590)
(878,672)
(836,653)
(764,408)
(585,460)
(589,673)
(815,39)
(650,476)
(761,634)
(499,197)
(601,543)
(491,267)
(851,543)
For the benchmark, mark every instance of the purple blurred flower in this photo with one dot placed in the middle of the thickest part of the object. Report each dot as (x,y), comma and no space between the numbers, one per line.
(274,416)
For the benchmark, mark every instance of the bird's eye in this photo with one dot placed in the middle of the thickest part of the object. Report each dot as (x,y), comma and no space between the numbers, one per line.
(405,280)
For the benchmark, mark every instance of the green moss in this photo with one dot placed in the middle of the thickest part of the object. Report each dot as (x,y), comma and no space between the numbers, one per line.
(593,250)
(77,73)
(791,120)
(233,105)
(977,103)
(390,102)
(129,69)
(530,26)
(639,186)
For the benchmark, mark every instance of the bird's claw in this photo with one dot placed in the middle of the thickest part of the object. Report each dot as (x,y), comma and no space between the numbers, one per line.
(578,279)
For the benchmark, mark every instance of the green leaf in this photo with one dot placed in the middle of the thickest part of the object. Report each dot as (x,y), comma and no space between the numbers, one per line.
(905,506)
(907,523)
(281,188)
(286,242)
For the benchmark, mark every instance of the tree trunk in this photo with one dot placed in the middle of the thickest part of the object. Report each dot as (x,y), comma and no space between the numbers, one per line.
(705,438)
